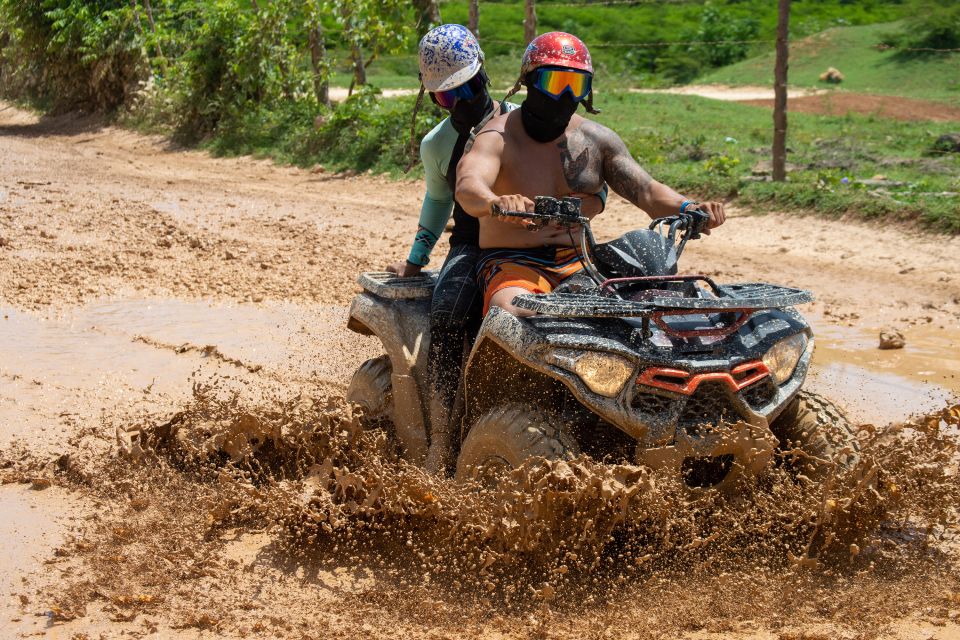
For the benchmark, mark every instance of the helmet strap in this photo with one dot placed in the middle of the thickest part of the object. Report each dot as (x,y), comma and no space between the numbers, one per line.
(516,87)
(588,104)
(414,157)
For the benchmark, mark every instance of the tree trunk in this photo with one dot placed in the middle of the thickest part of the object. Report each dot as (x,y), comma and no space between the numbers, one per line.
(780,95)
(318,58)
(136,15)
(359,69)
(153,29)
(529,21)
(428,15)
(474,19)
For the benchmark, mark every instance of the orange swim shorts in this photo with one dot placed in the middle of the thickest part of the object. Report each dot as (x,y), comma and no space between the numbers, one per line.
(536,270)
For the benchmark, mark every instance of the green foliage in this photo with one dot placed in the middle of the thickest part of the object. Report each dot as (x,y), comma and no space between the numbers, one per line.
(209,61)
(377,25)
(367,133)
(71,53)
(722,39)
(722,165)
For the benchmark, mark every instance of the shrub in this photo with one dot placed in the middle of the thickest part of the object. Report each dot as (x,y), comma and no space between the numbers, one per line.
(931,27)
(72,53)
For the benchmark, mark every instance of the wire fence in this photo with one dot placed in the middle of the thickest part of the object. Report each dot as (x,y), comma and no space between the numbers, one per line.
(598,3)
(601,45)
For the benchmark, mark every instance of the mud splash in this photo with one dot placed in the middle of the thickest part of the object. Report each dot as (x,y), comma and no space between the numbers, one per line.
(296,491)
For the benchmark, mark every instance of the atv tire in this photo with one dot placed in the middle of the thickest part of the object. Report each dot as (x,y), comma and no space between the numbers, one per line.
(371,389)
(820,435)
(505,437)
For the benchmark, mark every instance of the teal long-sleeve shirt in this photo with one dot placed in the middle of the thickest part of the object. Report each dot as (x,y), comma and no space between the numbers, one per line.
(435,151)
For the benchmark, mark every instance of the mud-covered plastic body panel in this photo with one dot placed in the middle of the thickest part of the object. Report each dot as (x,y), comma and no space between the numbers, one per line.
(649,415)
(397,311)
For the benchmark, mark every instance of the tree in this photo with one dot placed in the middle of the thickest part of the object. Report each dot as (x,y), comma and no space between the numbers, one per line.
(319,63)
(371,28)
(428,15)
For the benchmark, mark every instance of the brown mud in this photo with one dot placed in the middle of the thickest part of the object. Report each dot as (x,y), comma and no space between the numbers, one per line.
(176,460)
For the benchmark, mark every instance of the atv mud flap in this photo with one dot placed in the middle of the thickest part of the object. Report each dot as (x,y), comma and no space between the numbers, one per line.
(749,449)
(408,418)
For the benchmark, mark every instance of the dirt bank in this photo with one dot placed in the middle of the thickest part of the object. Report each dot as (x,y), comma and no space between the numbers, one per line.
(134,276)
(838,103)
(730,93)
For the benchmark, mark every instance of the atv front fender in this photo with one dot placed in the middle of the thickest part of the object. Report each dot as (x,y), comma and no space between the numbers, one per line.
(403,326)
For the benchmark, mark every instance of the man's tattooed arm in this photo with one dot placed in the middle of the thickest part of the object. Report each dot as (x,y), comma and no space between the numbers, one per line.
(628,178)
(580,160)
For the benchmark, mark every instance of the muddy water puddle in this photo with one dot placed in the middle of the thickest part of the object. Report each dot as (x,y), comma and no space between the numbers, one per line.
(884,386)
(119,353)
(134,335)
(33,525)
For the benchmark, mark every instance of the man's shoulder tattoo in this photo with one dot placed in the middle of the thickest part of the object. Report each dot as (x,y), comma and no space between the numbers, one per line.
(580,161)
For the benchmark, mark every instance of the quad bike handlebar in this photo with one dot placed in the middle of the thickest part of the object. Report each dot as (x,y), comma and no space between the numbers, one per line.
(565,212)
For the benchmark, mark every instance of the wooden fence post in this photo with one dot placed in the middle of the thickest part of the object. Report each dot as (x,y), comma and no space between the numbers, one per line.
(780,95)
(473,22)
(529,21)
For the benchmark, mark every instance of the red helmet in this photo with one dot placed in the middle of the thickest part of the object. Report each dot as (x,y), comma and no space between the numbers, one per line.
(556,49)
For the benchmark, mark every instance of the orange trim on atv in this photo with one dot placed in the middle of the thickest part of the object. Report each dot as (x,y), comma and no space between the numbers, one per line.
(685,382)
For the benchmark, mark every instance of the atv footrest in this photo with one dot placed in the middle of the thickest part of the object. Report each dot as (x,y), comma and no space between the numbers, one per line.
(391,286)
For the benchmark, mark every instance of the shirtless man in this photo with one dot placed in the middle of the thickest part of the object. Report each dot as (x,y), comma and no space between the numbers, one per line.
(544,148)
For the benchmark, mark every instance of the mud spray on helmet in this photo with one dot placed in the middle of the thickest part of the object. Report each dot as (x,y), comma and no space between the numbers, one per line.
(451,69)
(558,72)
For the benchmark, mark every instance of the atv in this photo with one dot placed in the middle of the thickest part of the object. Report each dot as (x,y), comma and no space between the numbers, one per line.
(626,362)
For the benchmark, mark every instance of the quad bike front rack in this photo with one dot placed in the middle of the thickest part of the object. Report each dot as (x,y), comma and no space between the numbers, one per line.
(741,300)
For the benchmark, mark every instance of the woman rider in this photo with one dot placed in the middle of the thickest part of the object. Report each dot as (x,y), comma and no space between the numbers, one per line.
(451,70)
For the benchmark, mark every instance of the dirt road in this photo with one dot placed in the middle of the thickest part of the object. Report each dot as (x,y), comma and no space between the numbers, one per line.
(131,271)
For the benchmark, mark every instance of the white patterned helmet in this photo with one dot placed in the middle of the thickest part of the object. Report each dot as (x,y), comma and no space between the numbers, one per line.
(449,56)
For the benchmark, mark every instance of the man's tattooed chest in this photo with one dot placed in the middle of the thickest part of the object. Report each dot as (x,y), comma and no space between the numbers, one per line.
(581,162)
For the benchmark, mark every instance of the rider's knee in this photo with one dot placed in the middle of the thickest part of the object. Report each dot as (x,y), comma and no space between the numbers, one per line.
(504,300)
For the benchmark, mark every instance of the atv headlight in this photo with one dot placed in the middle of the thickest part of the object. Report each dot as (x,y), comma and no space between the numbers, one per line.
(782,357)
(603,373)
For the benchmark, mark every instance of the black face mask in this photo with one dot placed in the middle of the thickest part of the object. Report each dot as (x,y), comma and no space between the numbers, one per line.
(545,119)
(467,114)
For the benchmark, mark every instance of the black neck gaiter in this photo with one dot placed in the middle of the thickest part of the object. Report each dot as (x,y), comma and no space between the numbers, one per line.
(545,119)
(465,115)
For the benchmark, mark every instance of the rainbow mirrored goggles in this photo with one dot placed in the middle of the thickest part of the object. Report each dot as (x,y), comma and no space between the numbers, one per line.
(555,82)
(467,91)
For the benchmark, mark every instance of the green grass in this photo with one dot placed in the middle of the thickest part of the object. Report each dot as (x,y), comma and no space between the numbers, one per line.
(853,51)
(702,147)
(706,147)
